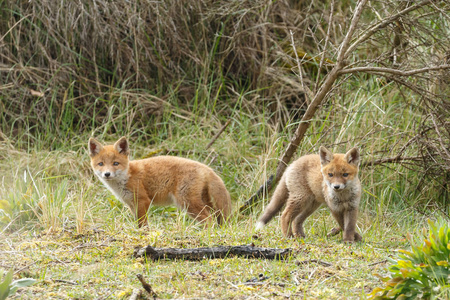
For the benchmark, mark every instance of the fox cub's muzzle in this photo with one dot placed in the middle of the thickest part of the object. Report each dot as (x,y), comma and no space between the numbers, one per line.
(338,187)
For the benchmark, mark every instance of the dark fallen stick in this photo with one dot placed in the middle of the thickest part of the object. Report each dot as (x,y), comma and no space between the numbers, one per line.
(263,189)
(218,134)
(147,287)
(66,281)
(377,262)
(211,252)
(317,261)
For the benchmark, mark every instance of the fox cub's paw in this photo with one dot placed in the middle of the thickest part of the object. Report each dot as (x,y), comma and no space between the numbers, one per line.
(357,238)
(334,231)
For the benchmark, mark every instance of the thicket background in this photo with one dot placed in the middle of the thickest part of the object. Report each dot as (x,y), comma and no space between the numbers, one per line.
(115,68)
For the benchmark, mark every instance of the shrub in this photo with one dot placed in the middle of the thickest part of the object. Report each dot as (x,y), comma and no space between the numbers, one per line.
(423,272)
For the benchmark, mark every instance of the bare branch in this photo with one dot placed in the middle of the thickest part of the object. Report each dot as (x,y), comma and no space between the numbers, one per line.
(147,287)
(345,43)
(395,159)
(441,142)
(378,262)
(393,71)
(248,251)
(327,38)
(412,87)
(383,24)
(317,261)
(218,134)
(320,96)
(308,93)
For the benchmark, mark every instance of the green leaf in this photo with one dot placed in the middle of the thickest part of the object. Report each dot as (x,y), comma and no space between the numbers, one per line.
(4,292)
(12,291)
(4,285)
(405,264)
(24,282)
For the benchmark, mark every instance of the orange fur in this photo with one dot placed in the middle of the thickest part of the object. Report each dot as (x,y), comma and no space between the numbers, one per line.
(312,180)
(162,180)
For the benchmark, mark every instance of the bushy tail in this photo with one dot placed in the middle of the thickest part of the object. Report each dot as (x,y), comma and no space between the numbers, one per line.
(279,198)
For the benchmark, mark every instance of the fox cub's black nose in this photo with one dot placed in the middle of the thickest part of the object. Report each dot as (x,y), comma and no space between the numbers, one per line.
(107,174)
(336,187)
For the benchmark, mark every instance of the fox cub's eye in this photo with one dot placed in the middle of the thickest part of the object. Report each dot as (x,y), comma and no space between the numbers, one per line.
(115,163)
(100,164)
(330,174)
(345,174)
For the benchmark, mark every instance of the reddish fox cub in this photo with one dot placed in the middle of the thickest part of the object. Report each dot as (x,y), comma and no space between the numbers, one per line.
(315,179)
(162,180)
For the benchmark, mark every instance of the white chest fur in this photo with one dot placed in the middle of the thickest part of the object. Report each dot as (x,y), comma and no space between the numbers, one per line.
(347,199)
(118,187)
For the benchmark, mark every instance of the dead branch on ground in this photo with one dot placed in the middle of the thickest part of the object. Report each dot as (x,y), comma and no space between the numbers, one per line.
(317,261)
(246,251)
(147,287)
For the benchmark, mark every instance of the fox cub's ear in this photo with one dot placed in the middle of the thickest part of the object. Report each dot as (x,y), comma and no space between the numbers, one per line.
(352,156)
(94,147)
(121,146)
(325,155)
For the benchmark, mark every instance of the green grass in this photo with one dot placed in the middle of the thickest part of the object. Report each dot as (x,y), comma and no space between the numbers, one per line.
(99,260)
(63,228)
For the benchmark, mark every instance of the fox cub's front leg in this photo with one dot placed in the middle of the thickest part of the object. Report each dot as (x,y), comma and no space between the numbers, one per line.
(350,234)
(347,223)
(141,213)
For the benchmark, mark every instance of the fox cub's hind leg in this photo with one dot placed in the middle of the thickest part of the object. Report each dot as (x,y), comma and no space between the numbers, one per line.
(277,201)
(219,199)
(206,202)
(287,217)
(307,206)
(200,209)
(297,209)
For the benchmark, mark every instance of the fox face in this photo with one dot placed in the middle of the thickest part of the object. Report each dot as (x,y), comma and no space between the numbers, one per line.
(109,162)
(339,171)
